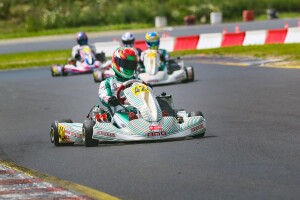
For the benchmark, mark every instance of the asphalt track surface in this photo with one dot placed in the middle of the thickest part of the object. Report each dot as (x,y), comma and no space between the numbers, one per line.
(67,42)
(250,151)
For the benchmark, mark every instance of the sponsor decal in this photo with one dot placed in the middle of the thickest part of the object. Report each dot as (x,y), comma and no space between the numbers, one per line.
(106,133)
(197,128)
(61,133)
(152,81)
(139,89)
(102,87)
(156,133)
(151,128)
(151,55)
(72,134)
(115,85)
(179,77)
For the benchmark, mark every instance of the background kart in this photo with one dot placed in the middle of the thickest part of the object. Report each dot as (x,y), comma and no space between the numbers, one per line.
(86,64)
(146,117)
(103,72)
(175,72)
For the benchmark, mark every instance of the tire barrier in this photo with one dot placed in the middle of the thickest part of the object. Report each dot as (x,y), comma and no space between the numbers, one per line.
(276,36)
(210,41)
(255,37)
(167,43)
(213,40)
(140,44)
(107,47)
(233,39)
(186,42)
(293,35)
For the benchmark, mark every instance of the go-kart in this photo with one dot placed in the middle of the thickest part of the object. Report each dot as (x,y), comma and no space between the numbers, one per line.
(86,63)
(103,72)
(140,116)
(175,72)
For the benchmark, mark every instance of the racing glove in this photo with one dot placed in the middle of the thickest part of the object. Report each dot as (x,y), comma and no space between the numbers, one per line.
(77,56)
(113,101)
(149,85)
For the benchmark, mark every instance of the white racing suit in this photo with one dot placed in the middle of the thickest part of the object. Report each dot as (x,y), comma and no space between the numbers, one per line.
(77,48)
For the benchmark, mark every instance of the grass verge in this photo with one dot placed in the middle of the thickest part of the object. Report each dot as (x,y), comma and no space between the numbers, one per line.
(289,52)
(20,33)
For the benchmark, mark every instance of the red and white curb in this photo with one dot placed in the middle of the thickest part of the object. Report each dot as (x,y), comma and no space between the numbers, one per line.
(17,182)
(16,185)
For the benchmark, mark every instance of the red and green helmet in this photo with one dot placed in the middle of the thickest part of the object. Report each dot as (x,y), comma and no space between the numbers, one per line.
(124,62)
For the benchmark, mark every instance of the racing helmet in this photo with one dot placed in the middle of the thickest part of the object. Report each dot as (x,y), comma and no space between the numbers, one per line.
(124,62)
(81,38)
(128,39)
(152,40)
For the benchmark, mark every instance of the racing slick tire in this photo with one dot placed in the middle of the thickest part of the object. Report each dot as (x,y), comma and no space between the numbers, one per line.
(54,137)
(64,73)
(87,133)
(190,73)
(95,74)
(197,113)
(52,72)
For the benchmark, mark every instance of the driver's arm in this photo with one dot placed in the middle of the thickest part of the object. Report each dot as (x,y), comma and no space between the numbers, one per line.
(104,92)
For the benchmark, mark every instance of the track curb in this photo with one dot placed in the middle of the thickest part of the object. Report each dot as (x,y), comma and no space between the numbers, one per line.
(89,192)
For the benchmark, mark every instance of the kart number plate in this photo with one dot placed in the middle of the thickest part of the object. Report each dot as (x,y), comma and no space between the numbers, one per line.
(139,89)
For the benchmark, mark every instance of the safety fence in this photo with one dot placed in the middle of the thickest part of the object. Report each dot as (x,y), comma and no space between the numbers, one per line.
(215,40)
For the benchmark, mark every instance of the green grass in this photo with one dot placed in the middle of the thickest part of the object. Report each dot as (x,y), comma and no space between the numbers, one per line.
(289,52)
(33,59)
(280,15)
(18,32)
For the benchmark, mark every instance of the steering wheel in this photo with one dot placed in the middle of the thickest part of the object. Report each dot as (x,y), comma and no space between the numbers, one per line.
(126,85)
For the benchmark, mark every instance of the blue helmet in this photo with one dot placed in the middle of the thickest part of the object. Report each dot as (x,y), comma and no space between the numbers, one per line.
(152,40)
(81,38)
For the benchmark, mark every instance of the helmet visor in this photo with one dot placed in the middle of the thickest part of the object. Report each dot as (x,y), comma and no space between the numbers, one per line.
(126,64)
(128,42)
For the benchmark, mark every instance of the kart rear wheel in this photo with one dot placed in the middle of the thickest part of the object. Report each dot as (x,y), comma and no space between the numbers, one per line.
(52,72)
(194,114)
(87,133)
(64,73)
(54,137)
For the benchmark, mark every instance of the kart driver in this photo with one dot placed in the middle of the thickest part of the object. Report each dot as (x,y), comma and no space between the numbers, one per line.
(82,40)
(124,64)
(128,40)
(152,41)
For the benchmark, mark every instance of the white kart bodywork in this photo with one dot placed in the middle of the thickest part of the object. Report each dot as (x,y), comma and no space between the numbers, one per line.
(151,60)
(151,123)
(86,64)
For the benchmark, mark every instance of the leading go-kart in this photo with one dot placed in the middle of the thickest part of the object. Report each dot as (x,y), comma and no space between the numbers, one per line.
(145,117)
(175,72)
(86,63)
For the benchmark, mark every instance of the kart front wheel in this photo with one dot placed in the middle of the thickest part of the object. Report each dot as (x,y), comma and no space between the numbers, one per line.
(54,136)
(96,75)
(87,133)
(196,113)
(190,73)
